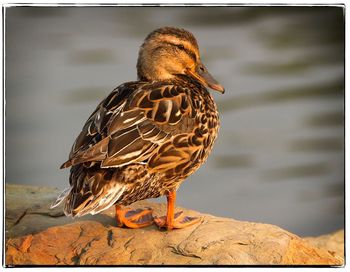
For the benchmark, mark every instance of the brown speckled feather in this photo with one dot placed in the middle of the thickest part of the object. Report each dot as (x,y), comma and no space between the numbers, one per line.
(146,136)
(160,128)
(130,131)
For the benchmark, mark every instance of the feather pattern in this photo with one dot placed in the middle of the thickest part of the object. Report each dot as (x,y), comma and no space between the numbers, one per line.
(146,136)
(161,128)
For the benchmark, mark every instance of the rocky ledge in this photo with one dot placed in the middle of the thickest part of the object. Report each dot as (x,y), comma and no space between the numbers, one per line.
(36,235)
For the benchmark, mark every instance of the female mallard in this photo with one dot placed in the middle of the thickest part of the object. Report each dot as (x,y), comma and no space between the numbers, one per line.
(147,136)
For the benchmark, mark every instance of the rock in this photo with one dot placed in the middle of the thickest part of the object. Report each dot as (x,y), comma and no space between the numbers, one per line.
(36,235)
(333,242)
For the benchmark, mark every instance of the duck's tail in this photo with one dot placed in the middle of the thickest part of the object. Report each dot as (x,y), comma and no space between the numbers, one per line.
(91,191)
(62,196)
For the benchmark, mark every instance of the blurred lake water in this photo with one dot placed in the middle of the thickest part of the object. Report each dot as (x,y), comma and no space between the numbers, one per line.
(279,157)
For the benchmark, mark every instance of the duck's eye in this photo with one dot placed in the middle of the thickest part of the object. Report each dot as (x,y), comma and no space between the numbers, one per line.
(180,46)
(201,68)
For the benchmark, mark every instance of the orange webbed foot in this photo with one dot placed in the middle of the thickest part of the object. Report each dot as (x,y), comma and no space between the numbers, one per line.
(179,221)
(134,219)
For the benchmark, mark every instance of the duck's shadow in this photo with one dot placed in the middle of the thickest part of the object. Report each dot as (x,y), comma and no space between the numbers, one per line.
(109,221)
(35,222)
(39,218)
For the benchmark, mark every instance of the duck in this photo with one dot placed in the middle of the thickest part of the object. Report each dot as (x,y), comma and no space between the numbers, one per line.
(147,136)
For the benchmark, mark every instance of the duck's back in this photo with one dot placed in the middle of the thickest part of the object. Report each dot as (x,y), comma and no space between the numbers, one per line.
(144,139)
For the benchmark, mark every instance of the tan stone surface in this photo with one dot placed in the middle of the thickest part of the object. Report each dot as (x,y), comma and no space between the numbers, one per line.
(39,236)
(333,242)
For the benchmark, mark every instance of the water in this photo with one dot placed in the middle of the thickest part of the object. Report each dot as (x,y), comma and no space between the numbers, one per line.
(279,157)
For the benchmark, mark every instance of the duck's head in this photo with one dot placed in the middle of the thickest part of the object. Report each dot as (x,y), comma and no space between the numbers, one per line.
(169,52)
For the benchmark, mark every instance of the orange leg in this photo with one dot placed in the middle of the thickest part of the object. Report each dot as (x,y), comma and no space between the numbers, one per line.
(172,220)
(133,218)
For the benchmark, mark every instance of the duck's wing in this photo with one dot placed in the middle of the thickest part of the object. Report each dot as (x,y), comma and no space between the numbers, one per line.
(128,126)
(94,129)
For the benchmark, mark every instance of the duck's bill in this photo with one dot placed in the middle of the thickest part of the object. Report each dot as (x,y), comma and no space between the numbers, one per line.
(207,79)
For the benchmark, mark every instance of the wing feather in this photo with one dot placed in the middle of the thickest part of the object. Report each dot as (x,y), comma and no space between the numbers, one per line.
(133,129)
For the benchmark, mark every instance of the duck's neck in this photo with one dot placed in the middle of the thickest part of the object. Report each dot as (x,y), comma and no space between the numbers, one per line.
(180,79)
(188,80)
